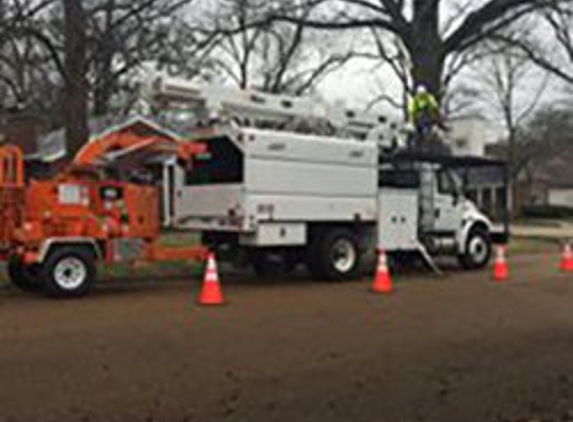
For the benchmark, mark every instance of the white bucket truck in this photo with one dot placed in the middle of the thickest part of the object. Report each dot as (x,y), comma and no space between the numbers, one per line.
(288,181)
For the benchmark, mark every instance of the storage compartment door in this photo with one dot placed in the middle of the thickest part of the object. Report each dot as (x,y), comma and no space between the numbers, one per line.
(398,215)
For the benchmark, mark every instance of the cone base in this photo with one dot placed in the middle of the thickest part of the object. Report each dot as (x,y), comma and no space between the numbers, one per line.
(210,303)
(382,291)
(211,297)
(382,286)
(501,275)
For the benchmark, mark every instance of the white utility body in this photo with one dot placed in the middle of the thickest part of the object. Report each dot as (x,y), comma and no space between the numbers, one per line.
(287,180)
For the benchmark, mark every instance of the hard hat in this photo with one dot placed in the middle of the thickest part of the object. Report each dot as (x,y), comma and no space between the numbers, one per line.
(421,89)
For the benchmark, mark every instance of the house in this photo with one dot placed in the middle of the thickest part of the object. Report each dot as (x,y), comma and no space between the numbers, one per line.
(467,136)
(547,183)
(560,187)
(49,151)
(561,195)
(52,147)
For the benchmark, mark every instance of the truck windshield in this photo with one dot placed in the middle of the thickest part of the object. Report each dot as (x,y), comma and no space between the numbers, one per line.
(222,164)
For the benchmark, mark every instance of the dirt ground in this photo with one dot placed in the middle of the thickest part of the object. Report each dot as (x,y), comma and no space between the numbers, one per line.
(455,349)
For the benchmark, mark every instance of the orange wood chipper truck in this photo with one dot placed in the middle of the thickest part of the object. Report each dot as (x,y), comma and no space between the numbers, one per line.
(54,232)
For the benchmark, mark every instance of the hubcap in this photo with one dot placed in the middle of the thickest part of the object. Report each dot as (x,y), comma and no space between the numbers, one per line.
(478,249)
(70,273)
(343,255)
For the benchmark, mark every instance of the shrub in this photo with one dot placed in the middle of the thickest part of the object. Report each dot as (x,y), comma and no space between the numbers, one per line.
(547,211)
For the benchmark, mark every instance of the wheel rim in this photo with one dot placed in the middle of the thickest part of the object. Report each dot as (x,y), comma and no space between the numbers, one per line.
(70,273)
(343,256)
(478,249)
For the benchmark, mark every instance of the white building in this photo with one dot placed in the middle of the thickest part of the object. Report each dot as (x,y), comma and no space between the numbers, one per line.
(561,195)
(468,136)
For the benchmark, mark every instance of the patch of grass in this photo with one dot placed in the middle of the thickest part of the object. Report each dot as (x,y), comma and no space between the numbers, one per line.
(539,222)
(159,270)
(179,239)
(530,245)
(149,270)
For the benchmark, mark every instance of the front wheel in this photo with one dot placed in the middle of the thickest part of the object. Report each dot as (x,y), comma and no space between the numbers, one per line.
(478,249)
(69,272)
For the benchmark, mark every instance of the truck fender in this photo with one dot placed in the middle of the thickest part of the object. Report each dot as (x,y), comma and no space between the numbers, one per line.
(49,244)
(467,227)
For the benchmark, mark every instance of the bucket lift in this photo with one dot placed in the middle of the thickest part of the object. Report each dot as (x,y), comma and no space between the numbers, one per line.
(267,111)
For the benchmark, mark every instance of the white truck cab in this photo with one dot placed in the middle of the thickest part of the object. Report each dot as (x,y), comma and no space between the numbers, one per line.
(428,191)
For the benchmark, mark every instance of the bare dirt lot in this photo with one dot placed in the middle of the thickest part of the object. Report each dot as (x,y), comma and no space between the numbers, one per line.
(456,349)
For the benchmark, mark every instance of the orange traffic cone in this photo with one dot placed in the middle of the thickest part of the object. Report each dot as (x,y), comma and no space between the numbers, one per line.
(211,291)
(500,268)
(567,258)
(382,279)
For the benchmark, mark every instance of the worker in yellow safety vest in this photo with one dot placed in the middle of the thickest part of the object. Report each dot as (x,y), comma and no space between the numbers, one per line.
(423,113)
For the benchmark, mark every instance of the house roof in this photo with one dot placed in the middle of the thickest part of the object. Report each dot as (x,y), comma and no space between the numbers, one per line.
(52,147)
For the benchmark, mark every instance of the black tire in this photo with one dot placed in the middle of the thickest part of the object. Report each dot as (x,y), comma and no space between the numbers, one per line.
(69,272)
(23,276)
(334,255)
(478,249)
(272,263)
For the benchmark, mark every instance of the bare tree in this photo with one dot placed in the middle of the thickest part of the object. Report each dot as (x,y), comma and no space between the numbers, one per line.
(75,93)
(275,57)
(23,70)
(429,40)
(512,90)
(554,53)
(123,34)
(84,49)
(545,145)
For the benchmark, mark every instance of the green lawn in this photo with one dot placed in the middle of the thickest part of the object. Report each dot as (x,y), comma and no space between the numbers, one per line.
(521,245)
(159,270)
(538,222)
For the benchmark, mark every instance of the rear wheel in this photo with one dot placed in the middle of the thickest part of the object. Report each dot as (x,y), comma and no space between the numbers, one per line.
(23,276)
(478,249)
(334,255)
(69,272)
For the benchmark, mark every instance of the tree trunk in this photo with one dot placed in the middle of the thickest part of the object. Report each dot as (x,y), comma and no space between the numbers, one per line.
(103,89)
(75,98)
(426,47)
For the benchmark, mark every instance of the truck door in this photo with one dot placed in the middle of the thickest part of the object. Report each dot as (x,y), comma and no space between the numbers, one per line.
(447,202)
